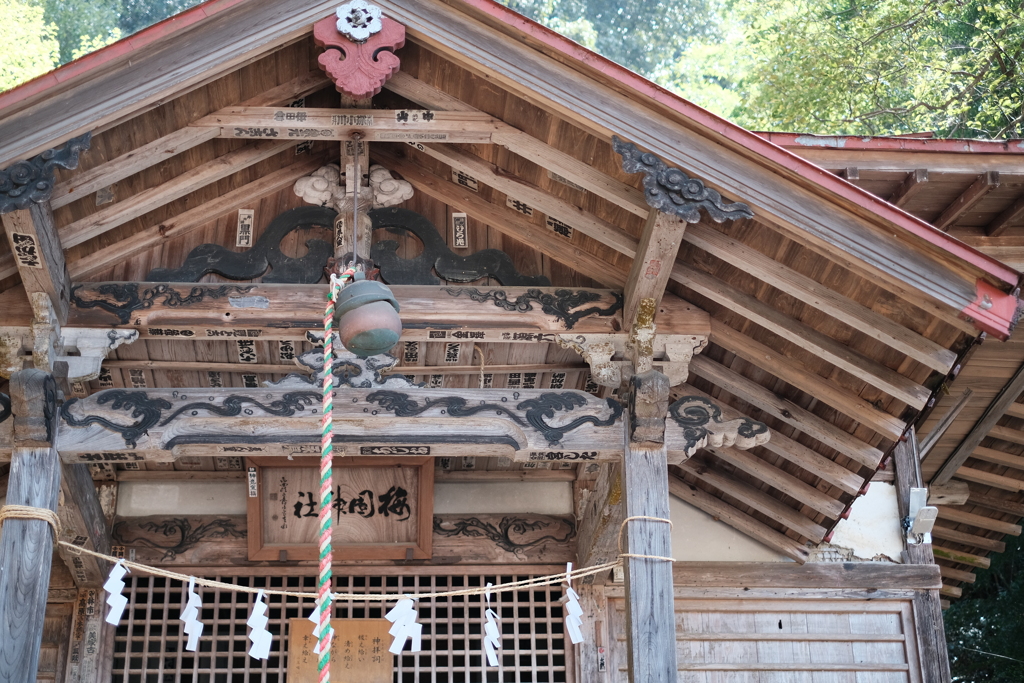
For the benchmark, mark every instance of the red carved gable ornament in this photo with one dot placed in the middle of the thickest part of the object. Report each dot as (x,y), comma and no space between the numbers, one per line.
(359,69)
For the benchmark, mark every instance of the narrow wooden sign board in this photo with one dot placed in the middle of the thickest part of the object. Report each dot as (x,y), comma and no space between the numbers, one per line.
(383,508)
(359,651)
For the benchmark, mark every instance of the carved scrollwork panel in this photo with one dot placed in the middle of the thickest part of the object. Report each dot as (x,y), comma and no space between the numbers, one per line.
(701,424)
(31,182)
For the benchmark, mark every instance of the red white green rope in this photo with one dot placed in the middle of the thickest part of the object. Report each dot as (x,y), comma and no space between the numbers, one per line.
(326,486)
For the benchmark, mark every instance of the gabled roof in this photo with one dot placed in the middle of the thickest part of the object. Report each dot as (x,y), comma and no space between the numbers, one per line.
(834,316)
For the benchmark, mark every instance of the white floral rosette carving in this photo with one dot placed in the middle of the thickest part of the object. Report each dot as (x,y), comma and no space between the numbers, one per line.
(358,20)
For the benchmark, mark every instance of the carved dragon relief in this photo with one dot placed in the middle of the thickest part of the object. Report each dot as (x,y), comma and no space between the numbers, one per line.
(702,425)
(31,181)
(671,191)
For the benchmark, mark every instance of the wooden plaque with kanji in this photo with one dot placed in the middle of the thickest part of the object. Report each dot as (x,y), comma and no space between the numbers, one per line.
(382,508)
(359,651)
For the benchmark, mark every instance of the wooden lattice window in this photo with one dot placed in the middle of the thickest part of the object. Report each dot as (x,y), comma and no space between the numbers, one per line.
(149,644)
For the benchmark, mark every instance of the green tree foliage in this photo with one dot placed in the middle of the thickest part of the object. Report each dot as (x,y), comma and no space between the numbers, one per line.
(136,15)
(985,628)
(28,46)
(643,35)
(81,23)
(854,67)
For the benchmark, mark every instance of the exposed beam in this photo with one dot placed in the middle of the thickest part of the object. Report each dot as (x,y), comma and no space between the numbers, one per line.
(786,411)
(38,256)
(652,263)
(515,188)
(83,519)
(1006,219)
(816,295)
(940,428)
(760,313)
(995,411)
(376,125)
(780,480)
(978,521)
(1008,434)
(128,164)
(182,224)
(960,557)
(950,591)
(283,421)
(790,450)
(915,181)
(874,244)
(597,540)
(619,193)
(972,540)
(993,500)
(761,501)
(956,574)
(796,374)
(738,520)
(194,179)
(985,183)
(504,221)
(989,479)
(184,366)
(998,457)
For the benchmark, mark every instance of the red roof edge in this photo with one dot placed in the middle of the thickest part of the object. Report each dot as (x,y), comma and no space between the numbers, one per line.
(109,53)
(751,141)
(900,144)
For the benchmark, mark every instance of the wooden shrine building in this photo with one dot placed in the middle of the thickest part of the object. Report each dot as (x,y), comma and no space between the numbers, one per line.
(630,331)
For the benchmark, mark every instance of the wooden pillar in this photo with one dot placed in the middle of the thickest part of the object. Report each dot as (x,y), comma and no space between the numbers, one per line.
(650,606)
(930,631)
(26,545)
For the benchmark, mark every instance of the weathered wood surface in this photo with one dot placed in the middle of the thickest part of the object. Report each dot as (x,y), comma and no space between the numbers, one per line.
(123,425)
(600,520)
(810,576)
(38,256)
(202,311)
(908,476)
(25,557)
(221,540)
(84,526)
(376,125)
(91,651)
(931,638)
(995,411)
(650,615)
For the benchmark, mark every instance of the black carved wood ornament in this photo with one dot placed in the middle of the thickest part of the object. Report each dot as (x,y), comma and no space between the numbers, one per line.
(697,415)
(31,182)
(123,299)
(437,258)
(669,190)
(564,304)
(434,263)
(266,254)
(5,407)
(512,534)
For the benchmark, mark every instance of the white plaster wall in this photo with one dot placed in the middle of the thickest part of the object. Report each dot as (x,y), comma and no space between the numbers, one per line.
(873,528)
(697,537)
(480,498)
(138,499)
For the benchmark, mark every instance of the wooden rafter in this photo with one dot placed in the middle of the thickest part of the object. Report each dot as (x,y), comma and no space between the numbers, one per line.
(737,519)
(791,451)
(786,411)
(821,345)
(652,263)
(912,185)
(985,183)
(1007,218)
(86,182)
(796,374)
(142,203)
(995,411)
(814,294)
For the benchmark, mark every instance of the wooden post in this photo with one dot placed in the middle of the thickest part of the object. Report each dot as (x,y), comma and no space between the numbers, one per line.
(908,476)
(650,607)
(26,545)
(37,249)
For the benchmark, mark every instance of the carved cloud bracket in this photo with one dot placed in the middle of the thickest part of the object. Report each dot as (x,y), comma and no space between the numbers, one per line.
(608,355)
(671,191)
(360,48)
(702,426)
(31,182)
(82,349)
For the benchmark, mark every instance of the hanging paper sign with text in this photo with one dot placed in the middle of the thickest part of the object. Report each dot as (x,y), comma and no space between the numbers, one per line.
(382,508)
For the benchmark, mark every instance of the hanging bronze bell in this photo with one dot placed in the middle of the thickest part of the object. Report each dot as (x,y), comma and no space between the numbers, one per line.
(367,318)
